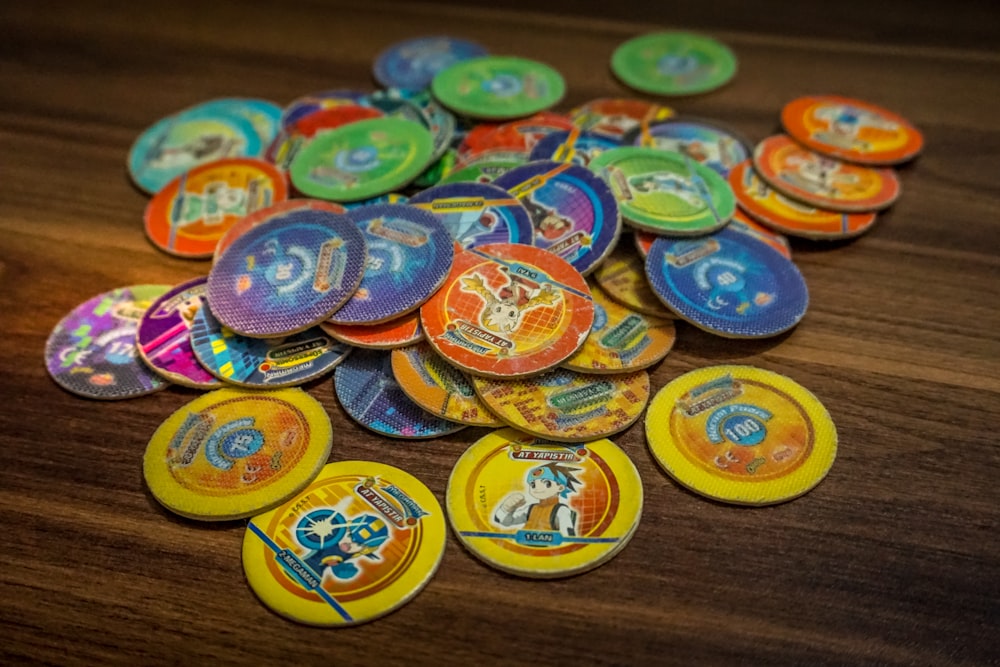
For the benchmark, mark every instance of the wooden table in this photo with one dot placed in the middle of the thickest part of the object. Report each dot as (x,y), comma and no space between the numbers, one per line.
(893,559)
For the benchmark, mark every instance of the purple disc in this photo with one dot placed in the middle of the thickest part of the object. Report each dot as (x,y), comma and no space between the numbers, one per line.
(477,213)
(576,147)
(287,274)
(409,256)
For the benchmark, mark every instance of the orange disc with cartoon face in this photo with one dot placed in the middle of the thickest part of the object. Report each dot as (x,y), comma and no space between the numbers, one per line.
(823,181)
(508,310)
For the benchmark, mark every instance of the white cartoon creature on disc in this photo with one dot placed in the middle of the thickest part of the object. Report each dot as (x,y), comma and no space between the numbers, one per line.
(504,309)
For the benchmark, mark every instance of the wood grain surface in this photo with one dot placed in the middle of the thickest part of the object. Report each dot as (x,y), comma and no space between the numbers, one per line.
(893,559)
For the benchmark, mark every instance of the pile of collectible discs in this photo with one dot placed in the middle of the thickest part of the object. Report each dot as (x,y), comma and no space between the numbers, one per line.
(455,253)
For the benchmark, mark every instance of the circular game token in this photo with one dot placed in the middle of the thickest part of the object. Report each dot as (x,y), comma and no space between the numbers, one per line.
(621,340)
(164,335)
(477,214)
(740,223)
(263,362)
(574,146)
(485,168)
(623,277)
(673,63)
(521,135)
(542,509)
(708,142)
(287,274)
(327,99)
(192,212)
(359,542)
(574,212)
(508,310)
(741,435)
(292,138)
(567,406)
(396,104)
(92,351)
(395,333)
(263,115)
(233,453)
(498,87)
(851,130)
(259,217)
(439,387)
(613,118)
(666,192)
(409,255)
(362,159)
(729,284)
(823,181)
(369,393)
(413,63)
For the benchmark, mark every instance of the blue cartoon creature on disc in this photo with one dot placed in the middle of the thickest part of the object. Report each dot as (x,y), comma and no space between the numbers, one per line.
(335,541)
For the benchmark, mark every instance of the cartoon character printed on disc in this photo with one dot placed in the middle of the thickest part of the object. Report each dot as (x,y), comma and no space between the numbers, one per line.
(846,126)
(550,484)
(334,541)
(819,175)
(673,185)
(504,308)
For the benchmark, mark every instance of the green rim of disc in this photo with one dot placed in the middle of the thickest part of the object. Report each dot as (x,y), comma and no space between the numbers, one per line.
(498,87)
(673,63)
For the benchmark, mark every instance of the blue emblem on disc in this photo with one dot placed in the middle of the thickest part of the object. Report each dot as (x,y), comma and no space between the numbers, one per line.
(369,393)
(263,362)
(412,64)
(409,256)
(287,274)
(707,142)
(575,147)
(728,283)
(307,104)
(477,213)
(574,212)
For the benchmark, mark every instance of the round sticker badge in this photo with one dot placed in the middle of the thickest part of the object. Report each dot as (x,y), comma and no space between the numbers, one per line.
(673,63)
(292,138)
(574,212)
(495,87)
(574,146)
(192,212)
(287,274)
(439,387)
(851,130)
(164,335)
(409,254)
(542,509)
(741,435)
(822,181)
(704,141)
(259,217)
(508,310)
(412,64)
(233,453)
(395,333)
(614,118)
(477,213)
(623,277)
(369,393)
(92,351)
(666,192)
(359,542)
(729,284)
(362,159)
(740,223)
(263,362)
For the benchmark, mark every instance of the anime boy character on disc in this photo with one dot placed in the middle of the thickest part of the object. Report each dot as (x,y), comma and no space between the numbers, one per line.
(550,484)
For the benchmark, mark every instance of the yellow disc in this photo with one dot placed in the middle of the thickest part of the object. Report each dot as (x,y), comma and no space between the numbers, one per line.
(623,276)
(543,509)
(621,339)
(741,435)
(566,405)
(362,540)
(232,453)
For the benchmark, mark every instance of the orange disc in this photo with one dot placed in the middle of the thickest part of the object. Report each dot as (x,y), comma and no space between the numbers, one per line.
(395,333)
(243,225)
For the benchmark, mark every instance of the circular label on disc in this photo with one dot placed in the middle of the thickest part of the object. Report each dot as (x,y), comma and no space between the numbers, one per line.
(740,223)
(92,351)
(369,393)
(508,310)
(851,130)
(741,435)
(614,118)
(542,509)
(413,63)
(730,284)
(477,213)
(293,137)
(498,87)
(409,254)
(666,192)
(362,159)
(673,63)
(823,181)
(287,274)
(359,542)
(243,225)
(565,405)
(574,146)
(401,331)
(623,277)
(233,453)
(707,142)
(164,335)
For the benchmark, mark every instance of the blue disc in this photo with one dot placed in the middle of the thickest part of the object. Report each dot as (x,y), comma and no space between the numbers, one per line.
(387,198)
(412,64)
(307,104)
(575,147)
(574,212)
(728,283)
(707,142)
(477,213)
(263,115)
(369,393)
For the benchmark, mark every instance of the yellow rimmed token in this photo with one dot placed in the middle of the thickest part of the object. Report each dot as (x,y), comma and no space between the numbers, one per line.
(361,541)
(541,509)
(232,453)
(623,276)
(741,435)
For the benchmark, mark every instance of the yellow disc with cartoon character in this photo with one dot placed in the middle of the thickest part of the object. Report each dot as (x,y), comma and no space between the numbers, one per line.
(541,509)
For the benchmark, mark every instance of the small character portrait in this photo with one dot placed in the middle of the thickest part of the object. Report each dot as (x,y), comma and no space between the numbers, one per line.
(504,309)
(549,485)
(669,184)
(336,543)
(199,149)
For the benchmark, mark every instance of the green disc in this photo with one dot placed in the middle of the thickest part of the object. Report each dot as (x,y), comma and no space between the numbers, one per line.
(666,192)
(362,160)
(498,87)
(673,63)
